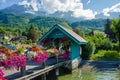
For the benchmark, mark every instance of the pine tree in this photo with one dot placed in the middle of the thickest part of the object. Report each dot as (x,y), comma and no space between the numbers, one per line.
(32,34)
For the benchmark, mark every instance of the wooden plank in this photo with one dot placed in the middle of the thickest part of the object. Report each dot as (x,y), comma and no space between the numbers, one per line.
(40,72)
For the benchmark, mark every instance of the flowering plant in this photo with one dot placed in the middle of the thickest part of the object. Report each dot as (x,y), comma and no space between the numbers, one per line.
(35,49)
(41,57)
(1,75)
(5,50)
(37,55)
(15,60)
(53,51)
(10,59)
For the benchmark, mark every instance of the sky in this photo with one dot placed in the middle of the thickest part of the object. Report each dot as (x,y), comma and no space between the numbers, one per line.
(79,8)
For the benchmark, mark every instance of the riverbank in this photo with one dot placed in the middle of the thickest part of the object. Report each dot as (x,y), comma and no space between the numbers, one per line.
(93,70)
(111,65)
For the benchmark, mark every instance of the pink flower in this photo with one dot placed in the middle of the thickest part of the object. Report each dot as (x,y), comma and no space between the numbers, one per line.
(15,61)
(41,57)
(1,74)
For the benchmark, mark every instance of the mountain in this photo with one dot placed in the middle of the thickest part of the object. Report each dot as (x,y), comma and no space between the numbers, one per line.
(89,25)
(18,21)
(22,10)
(13,20)
(31,10)
(112,15)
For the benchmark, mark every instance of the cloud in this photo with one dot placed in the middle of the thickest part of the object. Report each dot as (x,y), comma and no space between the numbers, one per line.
(24,2)
(114,8)
(74,6)
(88,1)
(33,3)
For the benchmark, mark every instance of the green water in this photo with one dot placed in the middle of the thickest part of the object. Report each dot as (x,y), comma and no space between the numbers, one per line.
(92,75)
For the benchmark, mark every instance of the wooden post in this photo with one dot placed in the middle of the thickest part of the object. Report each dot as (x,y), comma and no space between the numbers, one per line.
(57,69)
(44,77)
(22,71)
(57,60)
(43,65)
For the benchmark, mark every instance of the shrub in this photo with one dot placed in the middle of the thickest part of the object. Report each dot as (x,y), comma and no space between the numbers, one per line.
(106,45)
(88,49)
(105,55)
(111,55)
(115,46)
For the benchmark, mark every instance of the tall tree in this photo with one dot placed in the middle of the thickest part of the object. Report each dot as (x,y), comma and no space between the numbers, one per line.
(108,31)
(78,31)
(32,33)
(115,26)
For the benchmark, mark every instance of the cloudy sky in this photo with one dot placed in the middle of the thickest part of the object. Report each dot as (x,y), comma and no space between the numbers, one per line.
(79,8)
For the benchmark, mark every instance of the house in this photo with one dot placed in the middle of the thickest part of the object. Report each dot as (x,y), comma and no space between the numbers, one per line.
(20,38)
(65,38)
(2,36)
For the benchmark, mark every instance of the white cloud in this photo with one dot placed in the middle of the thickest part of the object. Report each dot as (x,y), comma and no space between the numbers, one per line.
(33,3)
(114,8)
(24,2)
(88,1)
(75,6)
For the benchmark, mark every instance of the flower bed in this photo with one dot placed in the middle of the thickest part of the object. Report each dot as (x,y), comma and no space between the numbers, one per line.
(37,55)
(1,75)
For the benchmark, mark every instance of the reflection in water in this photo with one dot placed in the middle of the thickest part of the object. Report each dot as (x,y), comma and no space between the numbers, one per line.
(85,74)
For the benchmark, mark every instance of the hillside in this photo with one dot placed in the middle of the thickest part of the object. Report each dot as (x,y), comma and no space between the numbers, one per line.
(88,25)
(23,21)
(12,20)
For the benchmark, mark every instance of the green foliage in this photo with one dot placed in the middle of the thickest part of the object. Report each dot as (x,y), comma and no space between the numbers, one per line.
(100,41)
(32,34)
(115,46)
(41,21)
(115,26)
(88,25)
(107,27)
(78,31)
(29,41)
(12,20)
(88,49)
(106,55)
(20,50)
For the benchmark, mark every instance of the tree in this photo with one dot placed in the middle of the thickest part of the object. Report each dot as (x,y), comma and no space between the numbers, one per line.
(108,31)
(107,26)
(78,31)
(32,33)
(115,26)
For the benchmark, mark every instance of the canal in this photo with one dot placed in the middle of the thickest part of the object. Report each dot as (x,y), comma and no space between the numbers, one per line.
(81,74)
(94,70)
(91,70)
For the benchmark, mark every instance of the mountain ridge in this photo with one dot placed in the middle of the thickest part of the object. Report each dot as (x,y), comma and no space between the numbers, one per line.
(29,11)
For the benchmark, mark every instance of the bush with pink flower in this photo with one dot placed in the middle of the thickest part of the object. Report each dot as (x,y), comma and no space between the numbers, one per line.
(1,75)
(10,59)
(37,55)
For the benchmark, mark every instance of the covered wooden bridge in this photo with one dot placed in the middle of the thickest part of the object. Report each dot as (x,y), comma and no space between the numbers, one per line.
(63,39)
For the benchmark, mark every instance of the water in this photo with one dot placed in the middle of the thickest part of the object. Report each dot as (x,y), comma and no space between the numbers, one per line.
(86,74)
